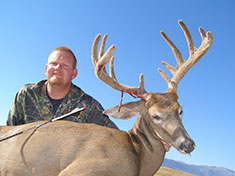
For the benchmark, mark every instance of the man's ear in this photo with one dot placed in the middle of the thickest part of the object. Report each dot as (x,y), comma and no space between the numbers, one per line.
(46,69)
(75,73)
(126,110)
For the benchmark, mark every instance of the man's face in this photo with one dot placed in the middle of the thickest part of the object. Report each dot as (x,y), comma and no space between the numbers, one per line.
(60,68)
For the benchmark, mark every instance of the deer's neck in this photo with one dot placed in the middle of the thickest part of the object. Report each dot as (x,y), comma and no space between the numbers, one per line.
(148,146)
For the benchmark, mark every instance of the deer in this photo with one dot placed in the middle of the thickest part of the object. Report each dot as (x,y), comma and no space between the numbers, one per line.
(65,148)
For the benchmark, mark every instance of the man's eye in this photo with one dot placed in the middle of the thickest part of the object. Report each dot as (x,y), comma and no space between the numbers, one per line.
(65,66)
(53,64)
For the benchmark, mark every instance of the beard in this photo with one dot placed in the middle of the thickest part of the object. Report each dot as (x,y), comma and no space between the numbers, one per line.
(55,81)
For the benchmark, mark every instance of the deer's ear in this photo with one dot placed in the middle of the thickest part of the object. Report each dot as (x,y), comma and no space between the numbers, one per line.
(126,111)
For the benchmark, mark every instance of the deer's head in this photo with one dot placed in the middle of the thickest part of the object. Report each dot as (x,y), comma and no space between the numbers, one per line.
(160,111)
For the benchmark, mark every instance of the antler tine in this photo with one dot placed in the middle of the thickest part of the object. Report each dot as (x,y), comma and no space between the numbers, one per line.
(94,50)
(202,33)
(102,47)
(111,70)
(176,52)
(99,65)
(188,37)
(195,54)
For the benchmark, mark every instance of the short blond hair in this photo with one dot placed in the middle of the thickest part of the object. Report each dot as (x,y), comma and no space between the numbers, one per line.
(68,50)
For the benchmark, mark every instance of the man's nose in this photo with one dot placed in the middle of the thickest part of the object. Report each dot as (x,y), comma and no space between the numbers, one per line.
(58,66)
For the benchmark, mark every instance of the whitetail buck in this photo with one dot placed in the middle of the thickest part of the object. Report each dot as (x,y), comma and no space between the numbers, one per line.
(66,148)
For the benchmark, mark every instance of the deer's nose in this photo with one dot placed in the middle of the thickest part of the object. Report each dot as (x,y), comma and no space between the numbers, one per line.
(187,146)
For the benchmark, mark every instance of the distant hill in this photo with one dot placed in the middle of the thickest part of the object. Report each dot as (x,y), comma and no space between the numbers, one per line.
(164,171)
(197,170)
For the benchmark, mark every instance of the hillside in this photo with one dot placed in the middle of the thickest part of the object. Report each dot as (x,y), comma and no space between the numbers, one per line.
(198,170)
(164,171)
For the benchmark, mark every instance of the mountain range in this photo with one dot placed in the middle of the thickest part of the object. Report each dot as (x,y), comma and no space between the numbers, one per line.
(197,170)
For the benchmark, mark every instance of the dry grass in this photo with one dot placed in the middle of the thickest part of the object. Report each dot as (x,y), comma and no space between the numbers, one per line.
(164,171)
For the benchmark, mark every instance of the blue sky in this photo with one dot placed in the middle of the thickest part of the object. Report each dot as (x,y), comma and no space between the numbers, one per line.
(30,30)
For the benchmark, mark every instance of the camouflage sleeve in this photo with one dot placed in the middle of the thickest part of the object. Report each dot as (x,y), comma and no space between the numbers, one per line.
(96,116)
(15,115)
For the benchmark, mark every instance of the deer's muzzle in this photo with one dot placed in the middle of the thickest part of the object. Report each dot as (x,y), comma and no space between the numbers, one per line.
(187,146)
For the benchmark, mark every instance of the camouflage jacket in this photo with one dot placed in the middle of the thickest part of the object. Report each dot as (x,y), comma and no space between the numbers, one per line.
(32,104)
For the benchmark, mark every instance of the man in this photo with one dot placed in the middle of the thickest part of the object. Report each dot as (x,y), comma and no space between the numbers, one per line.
(57,95)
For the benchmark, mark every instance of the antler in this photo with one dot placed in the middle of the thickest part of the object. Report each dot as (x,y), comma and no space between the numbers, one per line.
(101,73)
(183,66)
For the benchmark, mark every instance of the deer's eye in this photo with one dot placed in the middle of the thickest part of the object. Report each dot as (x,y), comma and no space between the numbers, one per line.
(180,112)
(157,117)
